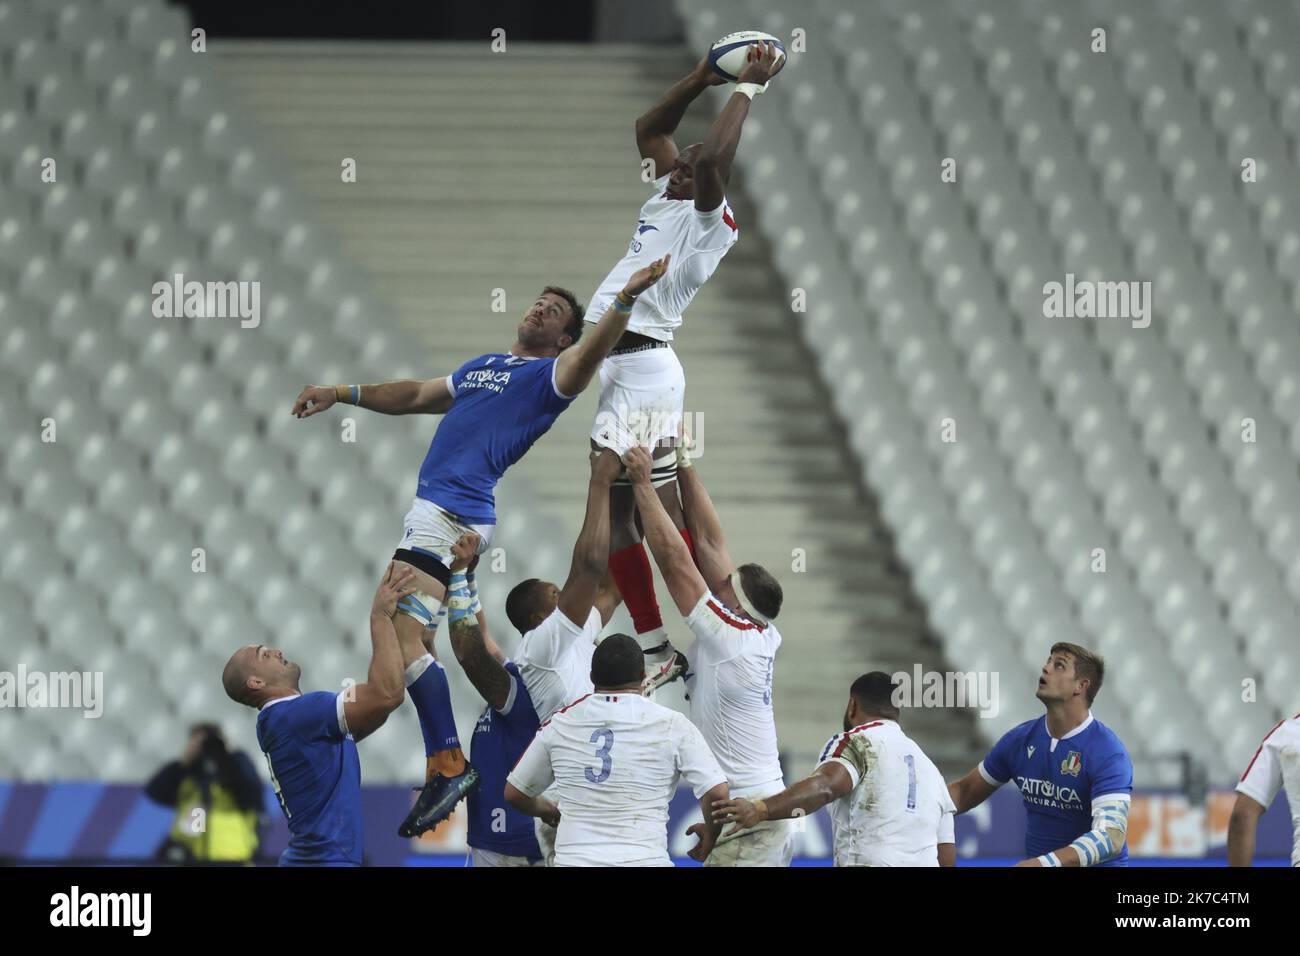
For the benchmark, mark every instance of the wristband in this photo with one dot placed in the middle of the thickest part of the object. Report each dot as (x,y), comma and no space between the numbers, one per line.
(624,302)
(348,394)
(1049,859)
(761,807)
(459,601)
(751,89)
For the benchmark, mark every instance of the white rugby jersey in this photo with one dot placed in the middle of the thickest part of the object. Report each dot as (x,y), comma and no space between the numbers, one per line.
(554,660)
(697,240)
(899,809)
(1276,765)
(614,761)
(730,684)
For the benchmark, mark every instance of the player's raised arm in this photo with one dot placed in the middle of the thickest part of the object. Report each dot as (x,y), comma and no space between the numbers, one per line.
(825,785)
(476,652)
(576,366)
(702,521)
(590,566)
(713,165)
(655,127)
(683,578)
(410,396)
(384,689)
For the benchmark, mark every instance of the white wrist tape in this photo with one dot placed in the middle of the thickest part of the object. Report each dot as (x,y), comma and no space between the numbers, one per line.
(750,89)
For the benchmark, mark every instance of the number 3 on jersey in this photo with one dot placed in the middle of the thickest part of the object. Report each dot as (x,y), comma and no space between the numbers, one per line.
(606,761)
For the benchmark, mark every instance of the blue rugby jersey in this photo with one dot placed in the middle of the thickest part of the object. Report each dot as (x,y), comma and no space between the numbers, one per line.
(503,403)
(1059,779)
(500,738)
(317,776)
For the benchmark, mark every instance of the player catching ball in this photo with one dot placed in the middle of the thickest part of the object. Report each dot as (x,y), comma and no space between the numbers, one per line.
(642,384)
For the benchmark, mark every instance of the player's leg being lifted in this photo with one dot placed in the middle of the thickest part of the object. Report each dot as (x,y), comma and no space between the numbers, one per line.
(448,776)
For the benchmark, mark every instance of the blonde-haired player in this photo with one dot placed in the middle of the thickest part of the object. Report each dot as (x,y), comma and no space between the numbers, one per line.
(614,759)
(1275,766)
(889,803)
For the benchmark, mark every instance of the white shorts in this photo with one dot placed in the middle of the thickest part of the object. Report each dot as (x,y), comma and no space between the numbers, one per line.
(641,396)
(428,529)
(771,843)
(431,531)
(492,858)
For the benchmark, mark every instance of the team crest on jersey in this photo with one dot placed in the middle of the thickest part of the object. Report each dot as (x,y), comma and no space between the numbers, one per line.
(1072,763)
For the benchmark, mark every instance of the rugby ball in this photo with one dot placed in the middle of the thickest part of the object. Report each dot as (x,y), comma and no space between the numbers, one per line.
(727,56)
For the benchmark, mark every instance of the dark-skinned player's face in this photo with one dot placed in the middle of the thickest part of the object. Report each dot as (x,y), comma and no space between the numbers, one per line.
(1058,681)
(548,599)
(545,323)
(681,181)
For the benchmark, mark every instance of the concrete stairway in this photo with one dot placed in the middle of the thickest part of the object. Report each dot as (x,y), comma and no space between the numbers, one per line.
(479,171)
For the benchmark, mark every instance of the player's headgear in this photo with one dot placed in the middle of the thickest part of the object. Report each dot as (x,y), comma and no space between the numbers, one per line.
(761,591)
(617,662)
(874,693)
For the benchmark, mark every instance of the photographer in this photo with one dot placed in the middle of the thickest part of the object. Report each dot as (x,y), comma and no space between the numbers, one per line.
(218,799)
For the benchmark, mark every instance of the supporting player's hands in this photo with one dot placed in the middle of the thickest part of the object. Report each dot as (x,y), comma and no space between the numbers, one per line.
(739,811)
(464,551)
(313,399)
(760,63)
(643,279)
(398,582)
(708,836)
(704,74)
(638,463)
(605,466)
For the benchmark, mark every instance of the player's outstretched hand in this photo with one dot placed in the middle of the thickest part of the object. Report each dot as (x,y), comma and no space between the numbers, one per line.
(704,73)
(313,399)
(605,466)
(760,64)
(397,584)
(464,551)
(708,836)
(643,279)
(638,463)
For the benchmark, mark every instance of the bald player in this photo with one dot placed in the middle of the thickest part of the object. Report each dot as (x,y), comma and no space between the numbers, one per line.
(310,739)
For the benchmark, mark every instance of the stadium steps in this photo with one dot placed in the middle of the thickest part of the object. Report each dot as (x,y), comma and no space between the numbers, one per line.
(478,172)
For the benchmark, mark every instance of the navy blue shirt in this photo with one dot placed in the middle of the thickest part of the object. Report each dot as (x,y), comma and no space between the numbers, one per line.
(503,403)
(1059,779)
(317,776)
(500,739)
